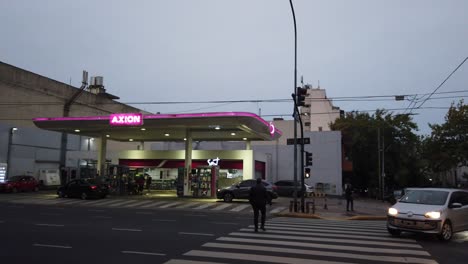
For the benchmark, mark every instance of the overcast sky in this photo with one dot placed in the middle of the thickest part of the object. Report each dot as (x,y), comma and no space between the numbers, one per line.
(217,50)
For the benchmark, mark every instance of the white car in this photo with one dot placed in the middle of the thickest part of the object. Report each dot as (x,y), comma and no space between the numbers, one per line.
(439,211)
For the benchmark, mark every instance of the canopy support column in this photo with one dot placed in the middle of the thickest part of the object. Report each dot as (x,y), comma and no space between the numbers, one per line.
(101,162)
(188,161)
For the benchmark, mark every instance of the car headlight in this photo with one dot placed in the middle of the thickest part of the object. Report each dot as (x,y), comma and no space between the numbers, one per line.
(392,211)
(433,215)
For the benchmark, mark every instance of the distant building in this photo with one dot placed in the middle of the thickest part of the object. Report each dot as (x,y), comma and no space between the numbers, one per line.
(319,111)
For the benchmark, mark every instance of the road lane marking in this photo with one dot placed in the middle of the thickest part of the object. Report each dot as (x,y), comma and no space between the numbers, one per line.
(275,230)
(121,203)
(54,225)
(143,253)
(309,252)
(195,234)
(203,206)
(138,203)
(325,246)
(152,204)
(187,205)
(127,229)
(277,210)
(331,240)
(263,258)
(52,246)
(184,261)
(170,204)
(102,202)
(221,207)
(240,207)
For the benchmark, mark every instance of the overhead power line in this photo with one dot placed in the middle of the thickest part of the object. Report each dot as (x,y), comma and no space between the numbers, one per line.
(440,85)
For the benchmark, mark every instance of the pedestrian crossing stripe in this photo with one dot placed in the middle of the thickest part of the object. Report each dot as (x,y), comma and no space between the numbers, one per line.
(325,246)
(308,252)
(273,230)
(220,207)
(170,204)
(331,240)
(146,204)
(332,227)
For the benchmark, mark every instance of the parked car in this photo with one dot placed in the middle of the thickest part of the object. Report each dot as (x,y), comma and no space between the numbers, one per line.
(84,189)
(286,188)
(241,190)
(20,183)
(439,211)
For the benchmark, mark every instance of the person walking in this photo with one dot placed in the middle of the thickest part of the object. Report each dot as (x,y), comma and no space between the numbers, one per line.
(148,182)
(258,198)
(349,197)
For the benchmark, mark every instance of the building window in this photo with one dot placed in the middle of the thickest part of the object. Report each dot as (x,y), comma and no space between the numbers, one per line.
(307,123)
(320,128)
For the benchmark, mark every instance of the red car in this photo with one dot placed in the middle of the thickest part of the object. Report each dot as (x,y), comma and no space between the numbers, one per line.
(20,184)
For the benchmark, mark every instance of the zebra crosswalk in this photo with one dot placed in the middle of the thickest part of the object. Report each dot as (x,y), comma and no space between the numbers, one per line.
(149,204)
(301,241)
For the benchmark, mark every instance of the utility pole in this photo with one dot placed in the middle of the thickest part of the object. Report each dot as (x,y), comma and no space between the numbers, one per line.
(378,164)
(66,113)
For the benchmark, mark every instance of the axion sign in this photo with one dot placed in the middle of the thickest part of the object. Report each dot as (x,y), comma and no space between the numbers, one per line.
(126,119)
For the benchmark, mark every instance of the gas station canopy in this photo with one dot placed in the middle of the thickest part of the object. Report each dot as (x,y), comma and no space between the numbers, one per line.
(216,126)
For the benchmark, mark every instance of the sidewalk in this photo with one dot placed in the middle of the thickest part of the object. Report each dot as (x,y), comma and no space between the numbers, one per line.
(364,209)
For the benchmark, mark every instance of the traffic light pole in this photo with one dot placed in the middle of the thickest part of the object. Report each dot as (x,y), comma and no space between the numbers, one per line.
(295,105)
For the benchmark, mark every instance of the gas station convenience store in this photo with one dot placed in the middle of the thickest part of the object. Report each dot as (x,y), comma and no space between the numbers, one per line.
(199,172)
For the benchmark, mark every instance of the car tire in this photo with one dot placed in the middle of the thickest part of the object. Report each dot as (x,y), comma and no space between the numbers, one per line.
(394,232)
(447,231)
(83,196)
(228,197)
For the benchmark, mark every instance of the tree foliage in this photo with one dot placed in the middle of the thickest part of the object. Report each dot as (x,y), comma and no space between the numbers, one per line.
(447,146)
(401,148)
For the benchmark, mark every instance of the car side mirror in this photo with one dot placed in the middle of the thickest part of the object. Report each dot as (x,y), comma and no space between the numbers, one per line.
(455,205)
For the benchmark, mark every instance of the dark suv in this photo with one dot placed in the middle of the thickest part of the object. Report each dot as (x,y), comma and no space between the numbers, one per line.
(286,188)
(241,190)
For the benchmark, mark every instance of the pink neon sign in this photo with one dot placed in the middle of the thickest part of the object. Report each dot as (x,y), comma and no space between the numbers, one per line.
(126,119)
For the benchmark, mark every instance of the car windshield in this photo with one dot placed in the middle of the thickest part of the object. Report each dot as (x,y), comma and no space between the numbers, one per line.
(431,197)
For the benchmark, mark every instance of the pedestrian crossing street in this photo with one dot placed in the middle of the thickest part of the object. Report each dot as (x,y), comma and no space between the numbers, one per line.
(309,241)
(135,203)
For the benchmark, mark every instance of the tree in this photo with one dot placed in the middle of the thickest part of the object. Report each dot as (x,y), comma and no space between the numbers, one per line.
(401,148)
(447,146)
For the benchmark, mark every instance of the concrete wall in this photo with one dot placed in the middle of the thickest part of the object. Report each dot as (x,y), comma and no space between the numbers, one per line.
(26,95)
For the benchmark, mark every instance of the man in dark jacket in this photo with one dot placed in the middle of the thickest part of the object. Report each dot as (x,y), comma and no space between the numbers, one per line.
(258,198)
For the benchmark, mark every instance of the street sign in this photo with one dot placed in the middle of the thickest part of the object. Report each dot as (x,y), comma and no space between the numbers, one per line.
(290,141)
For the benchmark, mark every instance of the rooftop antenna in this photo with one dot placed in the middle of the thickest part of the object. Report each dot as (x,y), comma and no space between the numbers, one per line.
(302,80)
(318,84)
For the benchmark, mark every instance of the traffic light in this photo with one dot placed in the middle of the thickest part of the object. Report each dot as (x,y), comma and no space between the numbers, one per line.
(300,96)
(308,159)
(307,173)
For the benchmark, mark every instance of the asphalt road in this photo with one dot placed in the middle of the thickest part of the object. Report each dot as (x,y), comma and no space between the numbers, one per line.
(46,234)
(59,234)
